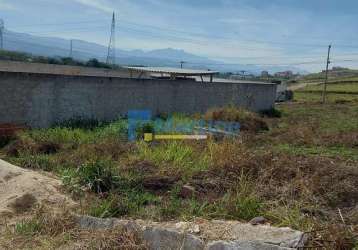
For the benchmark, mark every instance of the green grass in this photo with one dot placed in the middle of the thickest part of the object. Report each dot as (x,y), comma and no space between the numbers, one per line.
(331,97)
(331,117)
(339,87)
(272,173)
(28,227)
(174,153)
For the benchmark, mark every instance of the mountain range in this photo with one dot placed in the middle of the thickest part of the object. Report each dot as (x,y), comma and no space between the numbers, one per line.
(83,50)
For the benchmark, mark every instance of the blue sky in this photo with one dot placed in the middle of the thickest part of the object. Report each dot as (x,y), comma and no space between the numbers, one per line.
(233,31)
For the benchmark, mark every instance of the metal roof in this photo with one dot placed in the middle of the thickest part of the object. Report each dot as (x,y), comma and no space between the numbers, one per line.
(174,71)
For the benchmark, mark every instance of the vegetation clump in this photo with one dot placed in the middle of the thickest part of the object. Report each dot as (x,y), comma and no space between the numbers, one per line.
(300,171)
(249,121)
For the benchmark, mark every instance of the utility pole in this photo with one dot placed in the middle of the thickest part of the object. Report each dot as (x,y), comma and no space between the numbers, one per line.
(326,79)
(111,56)
(2,28)
(71,48)
(181,64)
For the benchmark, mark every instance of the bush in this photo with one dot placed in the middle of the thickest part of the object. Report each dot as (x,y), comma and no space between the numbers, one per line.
(81,123)
(273,113)
(248,121)
(5,140)
(147,127)
(106,208)
(99,176)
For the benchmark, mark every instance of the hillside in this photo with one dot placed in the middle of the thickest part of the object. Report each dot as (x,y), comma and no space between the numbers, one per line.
(83,50)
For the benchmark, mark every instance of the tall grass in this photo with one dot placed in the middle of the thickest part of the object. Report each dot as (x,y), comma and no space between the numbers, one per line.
(174,153)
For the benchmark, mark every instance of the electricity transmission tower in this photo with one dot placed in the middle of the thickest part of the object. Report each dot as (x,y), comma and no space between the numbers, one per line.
(2,28)
(111,56)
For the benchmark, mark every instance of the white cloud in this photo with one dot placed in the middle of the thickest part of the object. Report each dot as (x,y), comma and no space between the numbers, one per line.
(97,4)
(6,6)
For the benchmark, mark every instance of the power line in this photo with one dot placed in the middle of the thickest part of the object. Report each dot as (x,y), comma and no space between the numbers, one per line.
(197,34)
(57,24)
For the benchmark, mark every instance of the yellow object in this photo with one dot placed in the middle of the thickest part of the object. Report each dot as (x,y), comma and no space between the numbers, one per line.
(150,137)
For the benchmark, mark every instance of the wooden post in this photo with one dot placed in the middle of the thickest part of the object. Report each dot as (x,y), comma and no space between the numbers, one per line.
(326,79)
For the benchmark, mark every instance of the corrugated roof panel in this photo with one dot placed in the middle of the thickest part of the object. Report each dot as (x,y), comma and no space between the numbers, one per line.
(177,71)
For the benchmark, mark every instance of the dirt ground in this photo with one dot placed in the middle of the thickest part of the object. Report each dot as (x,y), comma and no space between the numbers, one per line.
(23,190)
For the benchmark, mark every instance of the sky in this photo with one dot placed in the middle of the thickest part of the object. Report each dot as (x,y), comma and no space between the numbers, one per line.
(285,32)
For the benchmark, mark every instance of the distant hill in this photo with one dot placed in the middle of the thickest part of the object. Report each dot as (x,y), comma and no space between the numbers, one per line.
(333,74)
(83,50)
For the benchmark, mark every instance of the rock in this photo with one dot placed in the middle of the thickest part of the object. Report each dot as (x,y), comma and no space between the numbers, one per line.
(282,236)
(179,235)
(192,242)
(258,220)
(93,223)
(187,191)
(194,229)
(23,189)
(167,239)
(181,226)
(159,182)
(243,245)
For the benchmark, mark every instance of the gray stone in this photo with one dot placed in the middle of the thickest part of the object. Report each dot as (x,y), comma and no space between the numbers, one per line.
(258,220)
(168,239)
(89,222)
(282,236)
(167,236)
(246,245)
(192,242)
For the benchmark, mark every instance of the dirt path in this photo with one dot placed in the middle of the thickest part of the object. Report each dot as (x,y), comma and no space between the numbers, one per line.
(22,189)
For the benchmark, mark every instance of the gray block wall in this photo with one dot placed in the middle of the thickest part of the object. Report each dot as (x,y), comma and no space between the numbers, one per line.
(40,100)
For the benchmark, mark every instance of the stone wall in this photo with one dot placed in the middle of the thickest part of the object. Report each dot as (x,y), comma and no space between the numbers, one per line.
(40,100)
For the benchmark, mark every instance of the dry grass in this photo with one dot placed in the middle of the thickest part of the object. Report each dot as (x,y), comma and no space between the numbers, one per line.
(248,121)
(46,230)
(296,174)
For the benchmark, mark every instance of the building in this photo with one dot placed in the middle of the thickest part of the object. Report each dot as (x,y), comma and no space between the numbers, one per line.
(265,74)
(284,74)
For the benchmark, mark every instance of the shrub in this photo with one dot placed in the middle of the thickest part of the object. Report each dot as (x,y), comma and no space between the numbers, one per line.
(5,140)
(248,121)
(99,176)
(140,130)
(81,123)
(273,113)
(106,208)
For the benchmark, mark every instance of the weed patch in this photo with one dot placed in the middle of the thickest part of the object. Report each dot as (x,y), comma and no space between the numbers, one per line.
(248,121)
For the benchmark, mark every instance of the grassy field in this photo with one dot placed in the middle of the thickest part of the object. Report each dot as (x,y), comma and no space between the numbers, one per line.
(298,173)
(343,88)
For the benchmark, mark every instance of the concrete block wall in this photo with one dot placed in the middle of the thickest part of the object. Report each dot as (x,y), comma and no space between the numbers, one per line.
(26,67)
(40,100)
